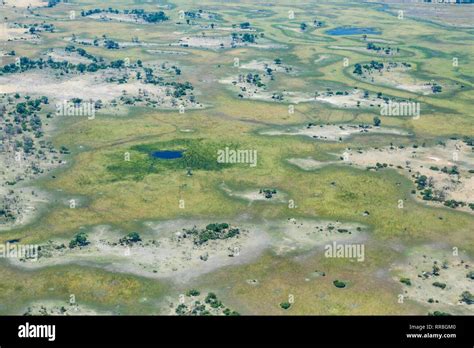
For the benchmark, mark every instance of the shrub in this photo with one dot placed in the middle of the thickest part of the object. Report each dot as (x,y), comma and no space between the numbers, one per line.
(193,292)
(339,284)
(467,297)
(377,121)
(439,285)
(79,240)
(132,237)
(405,281)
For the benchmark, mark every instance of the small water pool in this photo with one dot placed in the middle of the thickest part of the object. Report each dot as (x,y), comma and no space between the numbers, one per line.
(352,31)
(167,154)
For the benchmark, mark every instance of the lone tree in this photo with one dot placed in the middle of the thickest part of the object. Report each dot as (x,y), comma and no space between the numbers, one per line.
(79,240)
(132,237)
(377,121)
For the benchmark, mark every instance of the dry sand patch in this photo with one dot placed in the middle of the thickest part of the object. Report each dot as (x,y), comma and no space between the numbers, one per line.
(397,75)
(432,264)
(364,50)
(8,33)
(25,3)
(166,252)
(256,195)
(223,42)
(335,132)
(309,163)
(120,17)
(91,87)
(59,308)
(420,161)
(60,55)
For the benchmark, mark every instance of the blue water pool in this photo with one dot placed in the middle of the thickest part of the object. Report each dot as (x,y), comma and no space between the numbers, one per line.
(352,31)
(167,154)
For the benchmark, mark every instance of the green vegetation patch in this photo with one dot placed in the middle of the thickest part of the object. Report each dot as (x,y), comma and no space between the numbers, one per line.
(197,154)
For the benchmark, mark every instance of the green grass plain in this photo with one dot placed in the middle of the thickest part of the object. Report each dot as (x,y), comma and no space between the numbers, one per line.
(126,195)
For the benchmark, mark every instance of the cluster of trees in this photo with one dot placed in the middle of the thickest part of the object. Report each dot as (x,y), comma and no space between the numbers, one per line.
(246,37)
(268,192)
(25,119)
(422,182)
(150,17)
(111,44)
(451,203)
(451,171)
(153,17)
(467,297)
(424,185)
(152,79)
(318,24)
(82,52)
(189,15)
(213,301)
(26,63)
(212,232)
(52,3)
(372,65)
(181,309)
(374,47)
(193,292)
(180,89)
(469,141)
(254,79)
(41,27)
(192,15)
(436,88)
(6,213)
(131,238)
(98,10)
(79,240)
(357,69)
(198,308)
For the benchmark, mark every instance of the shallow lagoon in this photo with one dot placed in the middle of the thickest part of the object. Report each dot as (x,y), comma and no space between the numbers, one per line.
(167,154)
(352,31)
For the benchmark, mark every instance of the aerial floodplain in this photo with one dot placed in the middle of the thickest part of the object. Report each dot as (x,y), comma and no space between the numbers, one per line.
(211,158)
